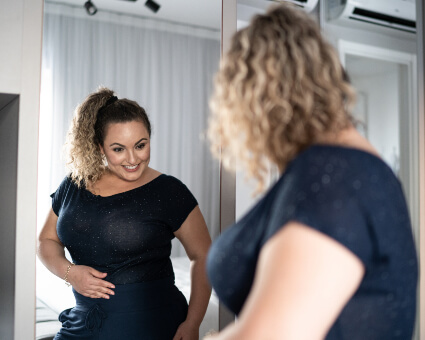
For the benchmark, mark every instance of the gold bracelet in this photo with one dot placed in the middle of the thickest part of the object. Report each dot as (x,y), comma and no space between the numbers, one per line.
(67,272)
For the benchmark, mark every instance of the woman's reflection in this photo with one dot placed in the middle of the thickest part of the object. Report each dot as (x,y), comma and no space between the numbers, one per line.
(328,251)
(117,217)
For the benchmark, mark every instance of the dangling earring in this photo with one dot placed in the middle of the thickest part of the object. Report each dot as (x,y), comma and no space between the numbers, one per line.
(104,160)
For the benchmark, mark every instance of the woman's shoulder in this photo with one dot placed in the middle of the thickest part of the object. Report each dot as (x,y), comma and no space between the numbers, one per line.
(170,180)
(337,160)
(174,187)
(67,182)
(326,173)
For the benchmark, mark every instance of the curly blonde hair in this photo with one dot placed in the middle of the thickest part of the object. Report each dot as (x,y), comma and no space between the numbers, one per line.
(279,88)
(88,129)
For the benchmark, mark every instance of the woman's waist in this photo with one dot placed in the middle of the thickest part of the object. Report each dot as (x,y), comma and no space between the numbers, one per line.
(134,270)
(132,297)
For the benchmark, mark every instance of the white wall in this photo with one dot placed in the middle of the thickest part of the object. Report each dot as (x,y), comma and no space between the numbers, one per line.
(382,105)
(20,41)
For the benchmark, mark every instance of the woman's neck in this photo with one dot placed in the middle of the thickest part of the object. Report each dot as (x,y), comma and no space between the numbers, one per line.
(349,137)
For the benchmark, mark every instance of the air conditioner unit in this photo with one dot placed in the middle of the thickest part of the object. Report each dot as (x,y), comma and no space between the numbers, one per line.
(395,14)
(307,5)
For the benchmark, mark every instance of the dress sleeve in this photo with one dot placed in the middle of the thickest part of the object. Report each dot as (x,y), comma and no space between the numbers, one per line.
(59,194)
(333,205)
(180,203)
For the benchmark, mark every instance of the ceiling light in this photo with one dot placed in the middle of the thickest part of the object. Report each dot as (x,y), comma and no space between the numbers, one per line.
(90,8)
(152,5)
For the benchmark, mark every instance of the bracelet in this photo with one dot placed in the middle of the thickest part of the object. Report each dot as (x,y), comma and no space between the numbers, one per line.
(67,272)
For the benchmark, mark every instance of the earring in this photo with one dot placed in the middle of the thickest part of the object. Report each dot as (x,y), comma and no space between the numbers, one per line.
(104,160)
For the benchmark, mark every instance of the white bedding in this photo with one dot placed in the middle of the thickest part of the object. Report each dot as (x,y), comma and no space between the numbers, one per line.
(54,293)
(181,267)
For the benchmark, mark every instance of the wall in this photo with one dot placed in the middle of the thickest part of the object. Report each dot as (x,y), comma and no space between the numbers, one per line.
(383,115)
(20,36)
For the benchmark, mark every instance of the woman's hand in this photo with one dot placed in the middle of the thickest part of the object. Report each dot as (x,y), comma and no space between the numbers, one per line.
(90,282)
(187,331)
(86,280)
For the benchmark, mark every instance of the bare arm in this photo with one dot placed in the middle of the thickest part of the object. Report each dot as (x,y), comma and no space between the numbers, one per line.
(194,236)
(85,280)
(303,278)
(50,249)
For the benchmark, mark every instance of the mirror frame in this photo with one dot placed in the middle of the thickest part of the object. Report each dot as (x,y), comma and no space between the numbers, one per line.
(227,178)
(420,50)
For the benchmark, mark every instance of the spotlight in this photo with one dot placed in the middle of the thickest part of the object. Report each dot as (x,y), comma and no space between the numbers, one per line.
(152,5)
(90,8)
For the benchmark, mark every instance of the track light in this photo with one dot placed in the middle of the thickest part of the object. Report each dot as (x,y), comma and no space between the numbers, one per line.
(90,8)
(152,5)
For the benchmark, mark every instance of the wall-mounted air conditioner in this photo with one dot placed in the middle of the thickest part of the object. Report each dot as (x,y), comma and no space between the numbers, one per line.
(396,14)
(307,5)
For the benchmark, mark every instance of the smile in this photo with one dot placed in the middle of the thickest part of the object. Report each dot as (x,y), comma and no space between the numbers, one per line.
(131,167)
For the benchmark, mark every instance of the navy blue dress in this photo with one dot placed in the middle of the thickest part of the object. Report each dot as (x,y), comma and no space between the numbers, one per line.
(353,197)
(128,236)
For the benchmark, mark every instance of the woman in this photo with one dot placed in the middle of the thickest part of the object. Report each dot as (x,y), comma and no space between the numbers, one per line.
(117,217)
(327,252)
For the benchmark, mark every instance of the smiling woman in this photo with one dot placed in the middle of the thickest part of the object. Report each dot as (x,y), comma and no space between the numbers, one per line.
(129,158)
(117,217)
(109,141)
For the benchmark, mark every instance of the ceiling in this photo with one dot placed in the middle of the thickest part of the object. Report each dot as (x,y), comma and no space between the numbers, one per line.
(201,13)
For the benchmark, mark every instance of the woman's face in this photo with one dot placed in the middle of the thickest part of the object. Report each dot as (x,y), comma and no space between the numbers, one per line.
(127,149)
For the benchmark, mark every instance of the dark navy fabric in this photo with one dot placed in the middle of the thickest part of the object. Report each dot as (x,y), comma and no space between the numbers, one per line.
(140,311)
(127,235)
(353,197)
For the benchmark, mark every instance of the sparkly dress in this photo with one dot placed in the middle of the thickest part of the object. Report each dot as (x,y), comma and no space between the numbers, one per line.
(353,197)
(128,236)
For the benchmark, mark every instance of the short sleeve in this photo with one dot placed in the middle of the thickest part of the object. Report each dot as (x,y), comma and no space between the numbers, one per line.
(59,195)
(330,204)
(180,202)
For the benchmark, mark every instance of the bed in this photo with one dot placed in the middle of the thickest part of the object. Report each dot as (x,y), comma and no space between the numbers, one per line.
(55,296)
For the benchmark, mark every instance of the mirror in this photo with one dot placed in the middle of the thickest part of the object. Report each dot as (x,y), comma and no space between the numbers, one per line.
(165,61)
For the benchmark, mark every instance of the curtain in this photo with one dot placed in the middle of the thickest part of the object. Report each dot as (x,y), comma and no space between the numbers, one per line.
(167,68)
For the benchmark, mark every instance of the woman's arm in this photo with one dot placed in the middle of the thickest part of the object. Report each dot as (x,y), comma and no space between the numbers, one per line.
(85,280)
(194,236)
(303,281)
(50,249)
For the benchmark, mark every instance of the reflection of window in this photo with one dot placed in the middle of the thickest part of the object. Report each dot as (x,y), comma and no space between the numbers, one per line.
(360,113)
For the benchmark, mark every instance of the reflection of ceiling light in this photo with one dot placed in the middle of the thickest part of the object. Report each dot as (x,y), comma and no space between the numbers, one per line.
(90,8)
(152,5)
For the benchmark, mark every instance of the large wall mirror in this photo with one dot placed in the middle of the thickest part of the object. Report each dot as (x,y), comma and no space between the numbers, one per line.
(166,62)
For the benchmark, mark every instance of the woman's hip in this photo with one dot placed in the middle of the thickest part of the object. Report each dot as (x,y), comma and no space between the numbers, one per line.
(148,311)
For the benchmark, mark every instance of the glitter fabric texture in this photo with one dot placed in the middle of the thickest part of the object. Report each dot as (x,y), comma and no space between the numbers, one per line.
(353,197)
(127,235)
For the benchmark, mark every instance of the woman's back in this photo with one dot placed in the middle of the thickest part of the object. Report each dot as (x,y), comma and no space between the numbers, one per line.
(354,198)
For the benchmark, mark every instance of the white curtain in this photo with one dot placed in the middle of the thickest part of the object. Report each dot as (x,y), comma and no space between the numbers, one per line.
(167,68)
